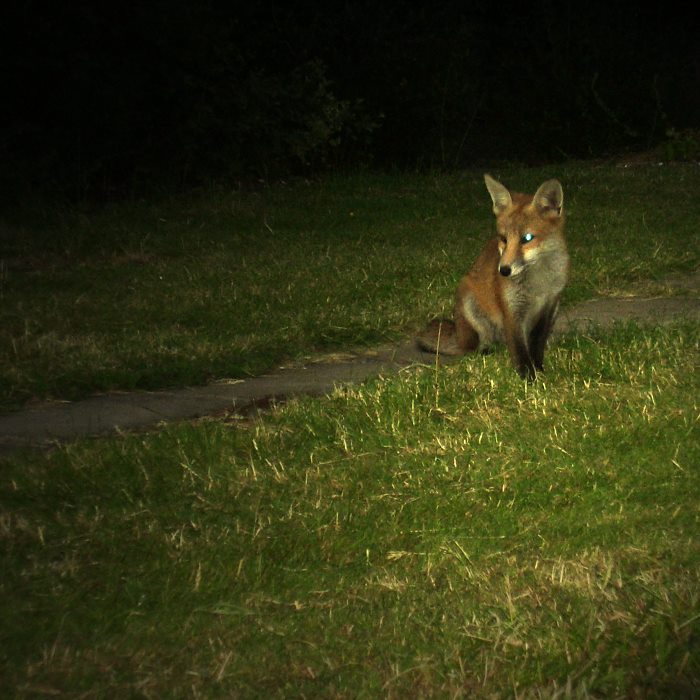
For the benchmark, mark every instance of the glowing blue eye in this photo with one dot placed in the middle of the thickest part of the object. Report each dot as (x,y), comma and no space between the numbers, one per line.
(527,237)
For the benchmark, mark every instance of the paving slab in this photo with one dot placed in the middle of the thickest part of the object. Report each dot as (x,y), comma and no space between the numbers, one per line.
(55,422)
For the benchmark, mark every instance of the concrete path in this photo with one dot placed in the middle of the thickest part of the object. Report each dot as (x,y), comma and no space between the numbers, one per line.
(45,425)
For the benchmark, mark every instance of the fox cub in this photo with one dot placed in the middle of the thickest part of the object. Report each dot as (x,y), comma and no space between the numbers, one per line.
(511,294)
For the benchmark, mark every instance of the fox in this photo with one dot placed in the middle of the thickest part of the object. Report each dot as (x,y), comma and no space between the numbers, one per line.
(511,293)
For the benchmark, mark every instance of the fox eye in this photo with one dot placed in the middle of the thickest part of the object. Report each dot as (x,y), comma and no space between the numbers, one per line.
(527,237)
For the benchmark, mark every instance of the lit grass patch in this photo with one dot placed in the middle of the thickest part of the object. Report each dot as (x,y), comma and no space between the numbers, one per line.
(452,532)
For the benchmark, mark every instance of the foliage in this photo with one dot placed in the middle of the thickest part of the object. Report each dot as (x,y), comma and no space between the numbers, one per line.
(683,145)
(173,94)
(176,92)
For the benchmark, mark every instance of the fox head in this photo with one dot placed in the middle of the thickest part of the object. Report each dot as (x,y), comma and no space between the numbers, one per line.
(528,226)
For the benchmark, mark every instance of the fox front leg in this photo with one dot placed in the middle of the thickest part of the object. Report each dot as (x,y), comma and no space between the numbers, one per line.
(519,351)
(540,333)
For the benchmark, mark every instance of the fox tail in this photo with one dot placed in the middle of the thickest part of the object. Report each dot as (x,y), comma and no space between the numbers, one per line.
(440,337)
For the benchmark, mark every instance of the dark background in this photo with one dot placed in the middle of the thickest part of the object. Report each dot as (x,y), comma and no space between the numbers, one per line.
(110,98)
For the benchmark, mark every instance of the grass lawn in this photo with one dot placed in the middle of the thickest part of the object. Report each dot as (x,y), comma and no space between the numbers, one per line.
(446,532)
(225,284)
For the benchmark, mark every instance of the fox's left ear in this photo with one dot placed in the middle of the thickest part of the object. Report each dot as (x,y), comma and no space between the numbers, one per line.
(549,198)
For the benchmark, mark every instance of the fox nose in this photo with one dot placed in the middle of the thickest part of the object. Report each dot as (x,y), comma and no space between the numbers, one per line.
(504,270)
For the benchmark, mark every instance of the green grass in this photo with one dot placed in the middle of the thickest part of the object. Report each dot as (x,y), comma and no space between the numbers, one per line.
(231,283)
(443,533)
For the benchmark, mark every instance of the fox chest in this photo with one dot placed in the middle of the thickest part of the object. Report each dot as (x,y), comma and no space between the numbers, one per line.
(528,297)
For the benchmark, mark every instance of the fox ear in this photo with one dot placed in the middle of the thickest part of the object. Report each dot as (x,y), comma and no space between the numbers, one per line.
(549,198)
(499,194)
